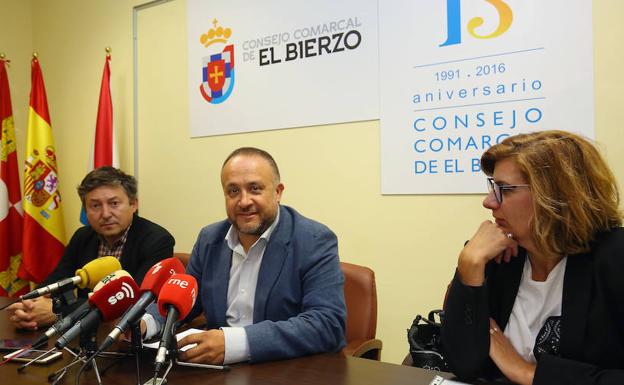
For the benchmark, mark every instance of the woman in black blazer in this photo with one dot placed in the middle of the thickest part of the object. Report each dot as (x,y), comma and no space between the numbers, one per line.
(538,295)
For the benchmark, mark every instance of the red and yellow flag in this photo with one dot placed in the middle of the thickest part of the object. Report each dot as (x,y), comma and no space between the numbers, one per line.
(10,197)
(44,231)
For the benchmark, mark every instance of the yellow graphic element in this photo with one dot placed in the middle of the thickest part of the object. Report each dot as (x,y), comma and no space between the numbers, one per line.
(8,278)
(8,138)
(215,35)
(505,16)
(42,197)
(216,75)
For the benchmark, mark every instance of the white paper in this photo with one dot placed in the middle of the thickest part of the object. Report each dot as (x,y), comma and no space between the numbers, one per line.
(179,336)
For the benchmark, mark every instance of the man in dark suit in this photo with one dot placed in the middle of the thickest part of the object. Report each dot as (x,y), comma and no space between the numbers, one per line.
(270,283)
(109,197)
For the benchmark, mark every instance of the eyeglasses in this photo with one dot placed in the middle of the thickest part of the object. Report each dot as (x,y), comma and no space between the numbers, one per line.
(498,189)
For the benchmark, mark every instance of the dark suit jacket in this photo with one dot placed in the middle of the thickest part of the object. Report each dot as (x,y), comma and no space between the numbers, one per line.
(299,306)
(592,319)
(147,243)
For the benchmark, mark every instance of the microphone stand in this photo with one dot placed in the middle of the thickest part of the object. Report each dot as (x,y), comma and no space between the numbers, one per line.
(88,347)
(172,354)
(137,345)
(63,299)
(172,358)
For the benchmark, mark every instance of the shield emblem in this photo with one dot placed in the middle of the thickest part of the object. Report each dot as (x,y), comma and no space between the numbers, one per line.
(218,76)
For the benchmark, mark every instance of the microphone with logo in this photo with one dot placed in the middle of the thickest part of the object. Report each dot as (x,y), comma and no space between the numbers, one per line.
(66,322)
(175,302)
(108,303)
(87,276)
(152,283)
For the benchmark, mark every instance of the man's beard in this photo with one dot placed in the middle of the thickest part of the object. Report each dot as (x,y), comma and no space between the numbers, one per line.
(257,230)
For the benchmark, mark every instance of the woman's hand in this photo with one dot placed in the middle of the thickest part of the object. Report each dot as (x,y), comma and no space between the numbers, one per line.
(489,242)
(513,366)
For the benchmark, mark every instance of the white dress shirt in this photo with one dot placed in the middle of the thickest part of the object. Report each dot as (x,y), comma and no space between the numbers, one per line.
(242,292)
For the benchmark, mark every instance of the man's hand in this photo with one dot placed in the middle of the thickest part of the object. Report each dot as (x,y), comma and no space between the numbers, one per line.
(502,352)
(32,313)
(210,347)
(127,336)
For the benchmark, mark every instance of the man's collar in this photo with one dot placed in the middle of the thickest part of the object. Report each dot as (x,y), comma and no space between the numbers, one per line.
(122,239)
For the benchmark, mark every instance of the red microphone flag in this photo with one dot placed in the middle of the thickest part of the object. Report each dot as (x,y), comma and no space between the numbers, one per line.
(180,291)
(158,274)
(114,298)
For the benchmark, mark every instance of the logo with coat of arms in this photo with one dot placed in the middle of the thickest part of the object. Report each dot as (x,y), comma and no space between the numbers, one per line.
(218,67)
(41,181)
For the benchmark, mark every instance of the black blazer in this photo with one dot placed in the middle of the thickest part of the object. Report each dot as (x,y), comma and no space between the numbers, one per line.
(147,243)
(592,319)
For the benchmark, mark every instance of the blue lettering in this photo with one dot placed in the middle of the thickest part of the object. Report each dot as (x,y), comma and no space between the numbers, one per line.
(538,115)
(416,124)
(453,23)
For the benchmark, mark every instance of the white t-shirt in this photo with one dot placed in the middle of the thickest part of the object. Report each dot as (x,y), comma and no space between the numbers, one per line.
(535,302)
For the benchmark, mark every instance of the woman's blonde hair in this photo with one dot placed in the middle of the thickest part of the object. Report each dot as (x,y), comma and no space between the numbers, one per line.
(575,195)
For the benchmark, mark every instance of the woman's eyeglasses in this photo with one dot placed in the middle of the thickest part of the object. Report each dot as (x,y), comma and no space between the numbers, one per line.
(498,189)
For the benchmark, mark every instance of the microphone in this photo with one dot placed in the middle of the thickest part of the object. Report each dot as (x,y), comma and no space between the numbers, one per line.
(64,324)
(109,303)
(175,301)
(112,276)
(88,275)
(154,279)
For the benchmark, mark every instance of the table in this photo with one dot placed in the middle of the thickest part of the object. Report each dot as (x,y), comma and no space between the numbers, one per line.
(322,369)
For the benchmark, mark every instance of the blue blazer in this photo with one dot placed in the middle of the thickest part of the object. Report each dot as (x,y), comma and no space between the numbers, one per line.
(299,306)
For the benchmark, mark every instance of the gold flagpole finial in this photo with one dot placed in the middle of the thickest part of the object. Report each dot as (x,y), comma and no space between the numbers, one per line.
(2,55)
(108,50)
(35,55)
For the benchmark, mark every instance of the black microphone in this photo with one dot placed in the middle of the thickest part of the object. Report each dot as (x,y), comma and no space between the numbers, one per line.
(63,325)
(110,302)
(68,321)
(88,275)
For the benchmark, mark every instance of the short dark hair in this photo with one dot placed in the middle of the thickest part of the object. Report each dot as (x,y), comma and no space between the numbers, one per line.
(107,176)
(257,152)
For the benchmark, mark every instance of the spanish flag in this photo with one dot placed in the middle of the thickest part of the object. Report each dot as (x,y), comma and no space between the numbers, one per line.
(44,231)
(10,197)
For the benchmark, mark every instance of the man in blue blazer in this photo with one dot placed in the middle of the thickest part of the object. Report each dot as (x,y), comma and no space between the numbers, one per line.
(270,283)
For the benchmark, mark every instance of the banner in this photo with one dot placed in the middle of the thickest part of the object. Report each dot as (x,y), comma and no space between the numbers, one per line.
(281,63)
(105,143)
(458,76)
(44,231)
(10,197)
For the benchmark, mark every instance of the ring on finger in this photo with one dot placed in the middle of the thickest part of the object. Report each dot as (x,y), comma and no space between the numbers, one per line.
(509,235)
